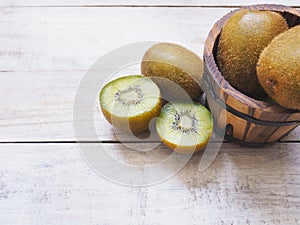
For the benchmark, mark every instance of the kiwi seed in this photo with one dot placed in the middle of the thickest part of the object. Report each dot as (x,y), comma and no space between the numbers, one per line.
(184,127)
(130,102)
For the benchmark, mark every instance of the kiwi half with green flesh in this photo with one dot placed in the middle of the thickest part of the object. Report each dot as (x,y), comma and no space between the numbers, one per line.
(130,102)
(176,64)
(184,127)
(278,69)
(242,39)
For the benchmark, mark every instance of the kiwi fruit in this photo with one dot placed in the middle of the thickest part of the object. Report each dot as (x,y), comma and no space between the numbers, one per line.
(243,37)
(184,127)
(174,64)
(130,102)
(278,69)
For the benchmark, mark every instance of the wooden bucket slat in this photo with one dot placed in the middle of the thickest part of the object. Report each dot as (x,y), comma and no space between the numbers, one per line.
(248,121)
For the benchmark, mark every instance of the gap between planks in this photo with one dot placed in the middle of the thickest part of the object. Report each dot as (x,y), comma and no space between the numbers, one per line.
(130,6)
(119,142)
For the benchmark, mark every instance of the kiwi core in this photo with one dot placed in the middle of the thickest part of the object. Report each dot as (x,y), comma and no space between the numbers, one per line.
(185,122)
(130,96)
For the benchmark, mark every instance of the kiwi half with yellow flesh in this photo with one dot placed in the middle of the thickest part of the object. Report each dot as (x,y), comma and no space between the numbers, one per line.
(242,39)
(278,69)
(130,102)
(174,63)
(184,127)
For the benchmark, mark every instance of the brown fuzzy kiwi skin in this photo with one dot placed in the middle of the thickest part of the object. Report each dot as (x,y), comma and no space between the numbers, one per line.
(242,39)
(278,69)
(175,63)
(137,124)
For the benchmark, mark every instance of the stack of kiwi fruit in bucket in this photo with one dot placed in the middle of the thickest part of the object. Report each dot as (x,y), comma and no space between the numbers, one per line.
(258,54)
(168,92)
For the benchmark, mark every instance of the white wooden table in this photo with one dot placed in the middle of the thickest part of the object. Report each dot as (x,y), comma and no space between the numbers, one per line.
(45,49)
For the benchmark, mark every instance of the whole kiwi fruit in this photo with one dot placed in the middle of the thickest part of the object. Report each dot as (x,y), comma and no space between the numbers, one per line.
(168,63)
(243,37)
(278,69)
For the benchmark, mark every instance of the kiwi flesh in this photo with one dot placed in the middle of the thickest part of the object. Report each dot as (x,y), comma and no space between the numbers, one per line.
(130,102)
(278,69)
(242,39)
(176,64)
(184,127)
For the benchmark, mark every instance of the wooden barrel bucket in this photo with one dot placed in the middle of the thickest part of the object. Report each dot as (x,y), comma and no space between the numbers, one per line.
(243,119)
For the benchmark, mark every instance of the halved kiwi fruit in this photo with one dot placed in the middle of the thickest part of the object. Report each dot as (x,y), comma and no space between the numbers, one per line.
(185,127)
(130,102)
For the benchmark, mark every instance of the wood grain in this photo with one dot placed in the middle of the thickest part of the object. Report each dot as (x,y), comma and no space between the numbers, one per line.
(38,106)
(45,51)
(46,55)
(64,39)
(130,3)
(51,184)
(264,123)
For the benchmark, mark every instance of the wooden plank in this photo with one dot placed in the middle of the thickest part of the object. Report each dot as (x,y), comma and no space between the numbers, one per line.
(51,184)
(137,3)
(48,50)
(39,107)
(293,136)
(47,39)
